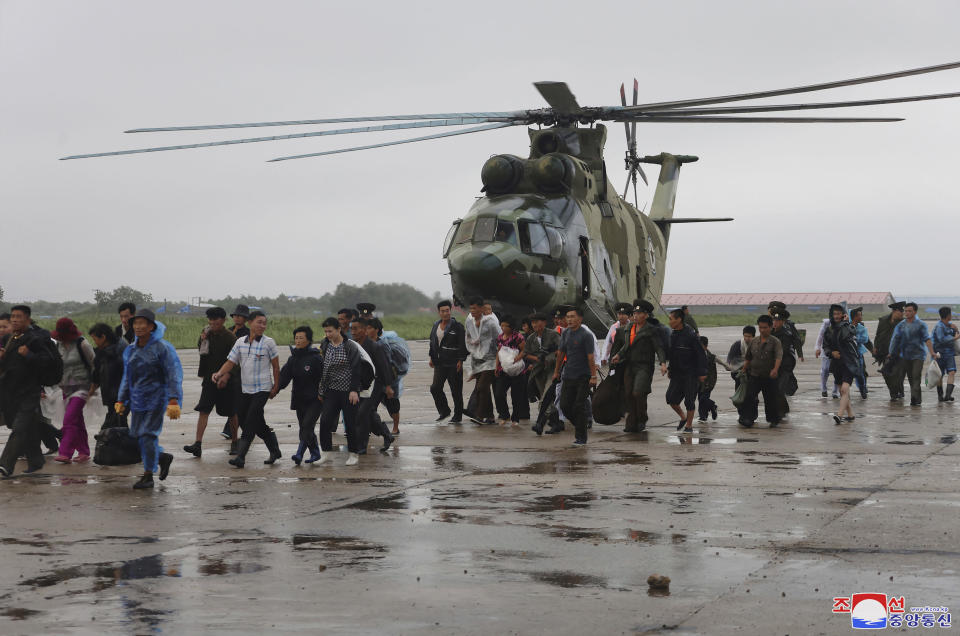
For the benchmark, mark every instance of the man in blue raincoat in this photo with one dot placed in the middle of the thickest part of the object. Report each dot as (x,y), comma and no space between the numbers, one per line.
(151,387)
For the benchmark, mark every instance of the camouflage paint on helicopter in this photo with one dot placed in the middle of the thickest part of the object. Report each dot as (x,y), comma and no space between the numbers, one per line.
(551,231)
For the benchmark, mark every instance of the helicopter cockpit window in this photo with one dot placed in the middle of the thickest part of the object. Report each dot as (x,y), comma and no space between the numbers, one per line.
(533,238)
(466,231)
(448,242)
(556,242)
(486,228)
(506,233)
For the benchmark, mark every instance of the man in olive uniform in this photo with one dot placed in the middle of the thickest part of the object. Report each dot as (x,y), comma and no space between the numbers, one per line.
(641,347)
(881,349)
(779,307)
(540,352)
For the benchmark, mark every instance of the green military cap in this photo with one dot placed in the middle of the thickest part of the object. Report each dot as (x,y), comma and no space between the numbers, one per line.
(781,315)
(366,309)
(776,305)
(899,305)
(623,308)
(642,305)
(561,311)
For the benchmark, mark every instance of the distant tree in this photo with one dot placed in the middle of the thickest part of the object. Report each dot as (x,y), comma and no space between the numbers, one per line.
(110,300)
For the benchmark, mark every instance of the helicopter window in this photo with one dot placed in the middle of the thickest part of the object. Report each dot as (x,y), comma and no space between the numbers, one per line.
(507,233)
(533,238)
(556,242)
(466,231)
(447,242)
(486,228)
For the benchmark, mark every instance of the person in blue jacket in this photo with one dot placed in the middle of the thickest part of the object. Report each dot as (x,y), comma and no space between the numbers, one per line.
(911,341)
(945,336)
(152,386)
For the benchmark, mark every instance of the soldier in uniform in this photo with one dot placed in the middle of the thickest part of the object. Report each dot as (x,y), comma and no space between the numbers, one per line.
(881,349)
(641,346)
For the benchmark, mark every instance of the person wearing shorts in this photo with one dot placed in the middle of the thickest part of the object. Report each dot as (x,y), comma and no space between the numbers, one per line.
(688,368)
(840,347)
(945,336)
(215,344)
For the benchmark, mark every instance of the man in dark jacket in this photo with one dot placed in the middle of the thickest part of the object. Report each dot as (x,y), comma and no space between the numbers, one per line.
(448,350)
(895,373)
(540,353)
(240,316)
(367,418)
(20,388)
(215,344)
(688,368)
(641,347)
(124,330)
(108,371)
(790,341)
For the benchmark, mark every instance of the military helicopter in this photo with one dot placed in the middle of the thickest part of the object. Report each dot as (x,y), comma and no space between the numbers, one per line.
(550,229)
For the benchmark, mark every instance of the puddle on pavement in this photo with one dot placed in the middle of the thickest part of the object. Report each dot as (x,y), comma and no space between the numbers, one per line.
(396,501)
(18,613)
(687,440)
(558,502)
(568,579)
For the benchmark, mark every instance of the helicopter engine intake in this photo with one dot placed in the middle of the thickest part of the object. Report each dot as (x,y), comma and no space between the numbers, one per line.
(501,173)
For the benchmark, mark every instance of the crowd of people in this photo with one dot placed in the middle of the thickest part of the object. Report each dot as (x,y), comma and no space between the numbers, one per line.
(554,361)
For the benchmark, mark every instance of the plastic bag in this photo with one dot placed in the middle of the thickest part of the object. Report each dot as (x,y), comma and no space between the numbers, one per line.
(740,395)
(933,374)
(509,363)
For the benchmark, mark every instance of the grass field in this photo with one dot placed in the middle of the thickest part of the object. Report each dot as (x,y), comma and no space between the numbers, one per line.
(183,331)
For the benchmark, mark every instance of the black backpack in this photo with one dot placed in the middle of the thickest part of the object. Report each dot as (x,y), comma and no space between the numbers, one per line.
(50,367)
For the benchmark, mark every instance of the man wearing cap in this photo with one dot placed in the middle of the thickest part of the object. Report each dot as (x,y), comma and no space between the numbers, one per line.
(881,349)
(152,386)
(540,352)
(215,344)
(641,347)
(239,330)
(863,346)
(910,342)
(623,317)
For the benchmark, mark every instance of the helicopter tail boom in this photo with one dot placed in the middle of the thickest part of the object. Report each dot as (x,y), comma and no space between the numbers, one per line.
(665,196)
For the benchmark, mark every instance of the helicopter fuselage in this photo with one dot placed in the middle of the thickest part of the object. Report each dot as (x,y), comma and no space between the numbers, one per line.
(552,231)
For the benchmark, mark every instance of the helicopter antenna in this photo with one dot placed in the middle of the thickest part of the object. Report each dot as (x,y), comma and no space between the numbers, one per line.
(631,160)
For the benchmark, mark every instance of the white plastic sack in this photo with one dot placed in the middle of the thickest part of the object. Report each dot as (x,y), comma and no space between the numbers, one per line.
(52,408)
(933,375)
(509,363)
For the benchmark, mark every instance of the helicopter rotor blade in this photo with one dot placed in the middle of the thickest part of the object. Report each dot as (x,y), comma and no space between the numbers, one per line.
(558,95)
(719,110)
(626,188)
(798,89)
(760,120)
(321,133)
(516,114)
(465,131)
(633,127)
(626,126)
(643,175)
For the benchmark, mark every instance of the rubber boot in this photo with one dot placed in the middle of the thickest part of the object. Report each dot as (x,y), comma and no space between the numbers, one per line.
(165,460)
(948,396)
(194,449)
(241,456)
(298,456)
(939,393)
(314,452)
(273,446)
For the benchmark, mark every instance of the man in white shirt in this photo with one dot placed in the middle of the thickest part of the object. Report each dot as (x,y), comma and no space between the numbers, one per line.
(481,340)
(259,362)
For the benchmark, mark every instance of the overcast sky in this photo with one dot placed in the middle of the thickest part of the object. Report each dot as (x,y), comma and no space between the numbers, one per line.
(855,207)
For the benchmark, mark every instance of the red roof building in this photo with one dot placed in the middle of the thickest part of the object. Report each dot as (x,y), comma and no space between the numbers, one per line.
(817,299)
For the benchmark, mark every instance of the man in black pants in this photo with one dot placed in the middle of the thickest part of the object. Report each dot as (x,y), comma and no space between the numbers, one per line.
(448,350)
(761,361)
(577,357)
(20,361)
(688,368)
(367,418)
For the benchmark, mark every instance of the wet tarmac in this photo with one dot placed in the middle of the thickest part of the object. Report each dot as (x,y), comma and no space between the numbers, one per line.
(489,530)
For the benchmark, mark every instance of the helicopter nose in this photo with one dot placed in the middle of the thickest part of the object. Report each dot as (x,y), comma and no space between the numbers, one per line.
(478,268)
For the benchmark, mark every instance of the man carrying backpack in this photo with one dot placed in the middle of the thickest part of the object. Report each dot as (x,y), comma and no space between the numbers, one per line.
(398,355)
(28,361)
(367,418)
